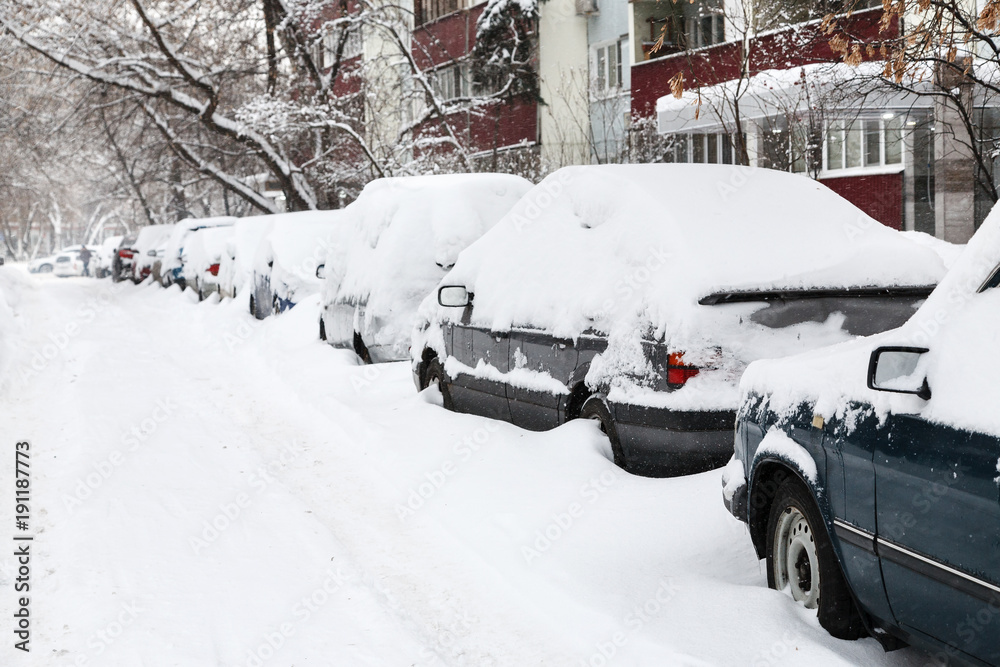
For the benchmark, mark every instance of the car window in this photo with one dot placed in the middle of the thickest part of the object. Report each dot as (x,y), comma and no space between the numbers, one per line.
(863,316)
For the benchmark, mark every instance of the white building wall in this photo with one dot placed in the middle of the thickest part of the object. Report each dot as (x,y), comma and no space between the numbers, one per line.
(563,69)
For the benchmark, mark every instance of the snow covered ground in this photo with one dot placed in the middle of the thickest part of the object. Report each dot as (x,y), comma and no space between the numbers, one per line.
(213,490)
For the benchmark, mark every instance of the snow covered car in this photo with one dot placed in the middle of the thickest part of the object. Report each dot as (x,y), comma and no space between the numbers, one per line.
(149,248)
(635,295)
(285,264)
(406,234)
(103,260)
(172,264)
(236,266)
(868,473)
(202,256)
(121,263)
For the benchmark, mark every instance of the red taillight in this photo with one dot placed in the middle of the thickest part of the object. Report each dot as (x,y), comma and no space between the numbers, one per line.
(677,371)
(214,269)
(125,254)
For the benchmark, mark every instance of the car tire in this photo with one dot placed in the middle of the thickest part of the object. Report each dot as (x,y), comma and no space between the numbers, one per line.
(275,305)
(45,268)
(797,538)
(361,349)
(253,309)
(434,374)
(596,408)
(322,328)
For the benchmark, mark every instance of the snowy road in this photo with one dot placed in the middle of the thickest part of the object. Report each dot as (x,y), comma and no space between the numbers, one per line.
(212,490)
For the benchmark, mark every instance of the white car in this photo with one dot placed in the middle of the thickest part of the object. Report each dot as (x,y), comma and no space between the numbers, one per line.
(406,233)
(68,263)
(48,263)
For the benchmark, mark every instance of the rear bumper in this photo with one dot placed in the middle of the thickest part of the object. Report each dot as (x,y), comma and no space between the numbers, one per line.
(663,443)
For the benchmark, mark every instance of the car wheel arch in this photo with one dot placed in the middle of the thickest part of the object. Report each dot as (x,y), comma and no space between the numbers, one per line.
(579,392)
(766,476)
(426,357)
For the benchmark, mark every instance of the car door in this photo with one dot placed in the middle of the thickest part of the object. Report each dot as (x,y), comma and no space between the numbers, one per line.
(937,483)
(939,531)
(480,390)
(540,367)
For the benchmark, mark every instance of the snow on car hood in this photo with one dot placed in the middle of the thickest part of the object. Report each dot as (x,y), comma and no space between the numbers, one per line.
(629,250)
(407,232)
(957,324)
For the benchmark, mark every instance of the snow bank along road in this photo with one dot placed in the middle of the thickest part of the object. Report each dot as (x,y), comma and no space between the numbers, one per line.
(212,490)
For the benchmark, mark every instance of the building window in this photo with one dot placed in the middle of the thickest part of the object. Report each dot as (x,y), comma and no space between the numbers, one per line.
(610,63)
(325,50)
(703,148)
(430,10)
(707,29)
(864,143)
(451,81)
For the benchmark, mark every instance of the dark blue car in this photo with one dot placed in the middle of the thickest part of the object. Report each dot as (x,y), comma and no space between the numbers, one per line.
(869,473)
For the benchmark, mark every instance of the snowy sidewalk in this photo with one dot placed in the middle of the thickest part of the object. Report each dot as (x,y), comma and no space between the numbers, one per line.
(213,490)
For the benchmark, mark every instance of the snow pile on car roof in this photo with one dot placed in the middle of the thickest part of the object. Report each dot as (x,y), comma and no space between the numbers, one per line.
(296,244)
(958,326)
(596,247)
(408,232)
(151,238)
(205,248)
(180,232)
(247,235)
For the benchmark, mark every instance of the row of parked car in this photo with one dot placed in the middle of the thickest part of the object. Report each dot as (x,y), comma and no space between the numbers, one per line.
(669,303)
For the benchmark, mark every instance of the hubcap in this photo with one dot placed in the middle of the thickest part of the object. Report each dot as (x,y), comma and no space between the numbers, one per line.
(796,563)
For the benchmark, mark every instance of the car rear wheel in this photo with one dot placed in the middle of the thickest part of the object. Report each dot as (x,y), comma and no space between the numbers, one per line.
(596,408)
(253,308)
(361,349)
(801,561)
(45,268)
(322,328)
(435,376)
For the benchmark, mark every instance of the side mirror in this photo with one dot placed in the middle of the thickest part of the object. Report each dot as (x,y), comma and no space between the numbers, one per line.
(454,296)
(898,370)
(321,271)
(151,253)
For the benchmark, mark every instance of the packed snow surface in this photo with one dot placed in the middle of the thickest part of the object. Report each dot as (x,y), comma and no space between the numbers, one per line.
(212,490)
(958,324)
